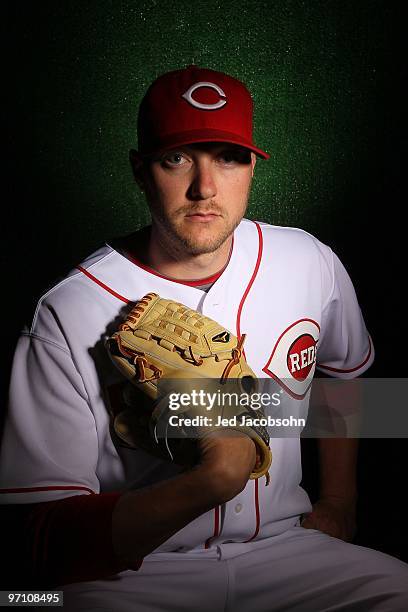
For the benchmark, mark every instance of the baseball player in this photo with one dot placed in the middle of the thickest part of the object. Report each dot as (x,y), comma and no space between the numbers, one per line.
(119,530)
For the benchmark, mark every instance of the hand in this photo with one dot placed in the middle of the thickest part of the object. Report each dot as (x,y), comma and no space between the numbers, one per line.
(334,516)
(144,518)
(228,457)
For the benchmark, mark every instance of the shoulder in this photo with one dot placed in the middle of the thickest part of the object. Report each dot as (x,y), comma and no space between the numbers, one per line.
(292,241)
(68,292)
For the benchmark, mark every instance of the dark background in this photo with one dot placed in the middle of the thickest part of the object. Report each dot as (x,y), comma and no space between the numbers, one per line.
(327,79)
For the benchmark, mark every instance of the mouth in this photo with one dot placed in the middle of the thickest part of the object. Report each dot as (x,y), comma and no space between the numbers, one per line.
(202,217)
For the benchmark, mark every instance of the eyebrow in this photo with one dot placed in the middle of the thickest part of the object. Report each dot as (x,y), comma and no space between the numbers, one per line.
(219,147)
(222,146)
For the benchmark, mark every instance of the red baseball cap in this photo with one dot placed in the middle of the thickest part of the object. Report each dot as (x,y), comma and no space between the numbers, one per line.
(195,105)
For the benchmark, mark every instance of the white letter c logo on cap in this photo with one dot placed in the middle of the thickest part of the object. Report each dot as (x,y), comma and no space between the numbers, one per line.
(188,95)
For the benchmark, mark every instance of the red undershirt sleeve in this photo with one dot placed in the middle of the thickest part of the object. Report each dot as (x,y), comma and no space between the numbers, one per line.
(59,542)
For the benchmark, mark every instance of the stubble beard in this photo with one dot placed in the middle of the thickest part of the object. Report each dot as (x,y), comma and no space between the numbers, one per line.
(184,239)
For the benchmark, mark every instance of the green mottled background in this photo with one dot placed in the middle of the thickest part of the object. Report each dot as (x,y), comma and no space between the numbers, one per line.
(316,70)
(327,79)
(325,76)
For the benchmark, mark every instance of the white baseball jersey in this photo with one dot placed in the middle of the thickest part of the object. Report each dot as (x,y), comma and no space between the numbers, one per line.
(282,287)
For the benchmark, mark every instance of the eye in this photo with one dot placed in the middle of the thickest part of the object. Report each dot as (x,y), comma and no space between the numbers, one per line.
(175,159)
(235,156)
(228,157)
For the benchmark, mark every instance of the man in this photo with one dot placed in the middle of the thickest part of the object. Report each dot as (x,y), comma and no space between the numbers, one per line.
(123,531)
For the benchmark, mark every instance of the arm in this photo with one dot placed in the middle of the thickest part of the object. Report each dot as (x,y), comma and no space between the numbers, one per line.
(345,351)
(338,468)
(334,512)
(145,518)
(51,444)
(91,537)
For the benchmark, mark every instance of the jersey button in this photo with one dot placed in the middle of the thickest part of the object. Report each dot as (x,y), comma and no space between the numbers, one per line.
(238,508)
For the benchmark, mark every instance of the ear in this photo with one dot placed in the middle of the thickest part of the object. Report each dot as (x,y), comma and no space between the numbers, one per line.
(253,162)
(136,161)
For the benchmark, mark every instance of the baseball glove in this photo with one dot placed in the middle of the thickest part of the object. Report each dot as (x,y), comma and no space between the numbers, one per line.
(164,345)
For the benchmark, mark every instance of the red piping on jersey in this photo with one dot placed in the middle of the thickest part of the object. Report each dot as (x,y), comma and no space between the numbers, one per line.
(101,284)
(241,305)
(238,327)
(257,513)
(53,488)
(350,369)
(190,283)
(255,272)
(216,527)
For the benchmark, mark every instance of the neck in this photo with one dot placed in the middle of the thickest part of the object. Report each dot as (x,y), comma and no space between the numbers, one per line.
(168,261)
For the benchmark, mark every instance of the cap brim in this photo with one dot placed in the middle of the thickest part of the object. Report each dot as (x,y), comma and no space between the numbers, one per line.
(176,140)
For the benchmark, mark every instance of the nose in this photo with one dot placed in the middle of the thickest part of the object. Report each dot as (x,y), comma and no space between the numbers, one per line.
(203,185)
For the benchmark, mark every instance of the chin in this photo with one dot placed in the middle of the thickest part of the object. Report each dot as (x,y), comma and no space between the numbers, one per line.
(202,249)
(202,242)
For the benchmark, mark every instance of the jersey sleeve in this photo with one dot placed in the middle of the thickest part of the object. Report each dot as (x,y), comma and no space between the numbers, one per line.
(49,448)
(345,349)
(56,525)
(53,543)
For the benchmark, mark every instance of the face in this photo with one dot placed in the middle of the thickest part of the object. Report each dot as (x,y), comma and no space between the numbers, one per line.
(198,194)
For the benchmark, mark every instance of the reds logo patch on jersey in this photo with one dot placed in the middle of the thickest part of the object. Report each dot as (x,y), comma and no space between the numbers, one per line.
(293,360)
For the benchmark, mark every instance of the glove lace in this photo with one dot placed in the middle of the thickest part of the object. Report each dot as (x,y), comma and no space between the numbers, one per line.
(236,356)
(194,358)
(141,362)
